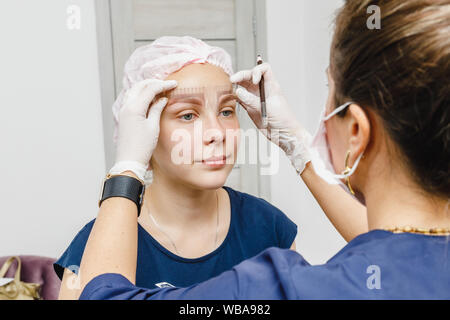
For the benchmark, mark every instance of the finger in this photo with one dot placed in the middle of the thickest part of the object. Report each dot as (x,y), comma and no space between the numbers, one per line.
(134,92)
(156,109)
(249,86)
(248,100)
(259,71)
(244,75)
(169,84)
(150,89)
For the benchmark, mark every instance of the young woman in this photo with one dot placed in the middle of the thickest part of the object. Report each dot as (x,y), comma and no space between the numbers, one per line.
(191,226)
(387,127)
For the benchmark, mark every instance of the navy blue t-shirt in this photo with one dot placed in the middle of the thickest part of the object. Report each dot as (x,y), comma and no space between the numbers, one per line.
(255,225)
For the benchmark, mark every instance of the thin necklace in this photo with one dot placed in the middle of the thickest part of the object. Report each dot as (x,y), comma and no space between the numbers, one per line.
(170,239)
(431,231)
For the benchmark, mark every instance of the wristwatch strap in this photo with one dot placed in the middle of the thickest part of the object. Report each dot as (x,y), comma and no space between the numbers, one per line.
(123,186)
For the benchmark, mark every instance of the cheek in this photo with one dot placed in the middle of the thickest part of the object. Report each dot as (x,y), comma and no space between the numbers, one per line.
(165,133)
(337,148)
(162,150)
(231,124)
(172,139)
(329,105)
(232,135)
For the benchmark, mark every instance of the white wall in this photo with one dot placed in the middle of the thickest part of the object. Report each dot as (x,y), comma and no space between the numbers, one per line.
(51,137)
(298,41)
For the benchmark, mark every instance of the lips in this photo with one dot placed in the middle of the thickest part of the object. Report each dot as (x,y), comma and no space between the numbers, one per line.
(215,162)
(215,159)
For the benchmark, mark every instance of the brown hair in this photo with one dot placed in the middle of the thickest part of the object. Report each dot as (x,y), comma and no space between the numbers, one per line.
(401,72)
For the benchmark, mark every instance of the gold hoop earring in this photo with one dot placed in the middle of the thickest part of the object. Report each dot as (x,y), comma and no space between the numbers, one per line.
(347,170)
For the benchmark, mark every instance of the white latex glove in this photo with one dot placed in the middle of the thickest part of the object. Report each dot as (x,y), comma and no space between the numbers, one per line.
(137,133)
(283,129)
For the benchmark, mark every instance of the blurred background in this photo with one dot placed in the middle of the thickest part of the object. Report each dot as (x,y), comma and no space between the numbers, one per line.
(61,68)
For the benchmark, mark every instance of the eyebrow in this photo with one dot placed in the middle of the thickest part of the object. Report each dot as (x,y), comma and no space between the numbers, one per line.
(224,95)
(227,97)
(186,97)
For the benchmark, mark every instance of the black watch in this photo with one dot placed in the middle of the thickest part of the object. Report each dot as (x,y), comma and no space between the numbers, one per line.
(123,186)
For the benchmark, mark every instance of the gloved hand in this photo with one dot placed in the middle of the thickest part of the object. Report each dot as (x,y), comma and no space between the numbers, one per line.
(283,129)
(137,133)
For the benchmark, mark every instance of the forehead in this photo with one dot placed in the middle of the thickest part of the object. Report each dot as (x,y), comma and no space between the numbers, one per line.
(201,92)
(199,75)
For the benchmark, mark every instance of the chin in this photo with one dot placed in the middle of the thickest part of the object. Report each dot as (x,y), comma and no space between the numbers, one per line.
(208,179)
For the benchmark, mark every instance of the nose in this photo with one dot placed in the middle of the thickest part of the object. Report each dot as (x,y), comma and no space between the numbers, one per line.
(214,131)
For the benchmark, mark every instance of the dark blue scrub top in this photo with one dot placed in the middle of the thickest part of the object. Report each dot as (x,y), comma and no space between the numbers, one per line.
(375,265)
(255,225)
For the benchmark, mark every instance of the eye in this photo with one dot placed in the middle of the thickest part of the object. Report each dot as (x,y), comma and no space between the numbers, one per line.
(187,116)
(227,113)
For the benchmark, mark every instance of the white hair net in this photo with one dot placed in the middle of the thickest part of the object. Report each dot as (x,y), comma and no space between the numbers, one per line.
(162,57)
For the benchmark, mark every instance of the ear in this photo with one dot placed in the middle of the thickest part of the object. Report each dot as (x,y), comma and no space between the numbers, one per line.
(359,131)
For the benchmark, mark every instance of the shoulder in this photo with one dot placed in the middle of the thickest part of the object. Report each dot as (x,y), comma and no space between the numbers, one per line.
(252,211)
(87,228)
(71,258)
(254,205)
(298,279)
(83,234)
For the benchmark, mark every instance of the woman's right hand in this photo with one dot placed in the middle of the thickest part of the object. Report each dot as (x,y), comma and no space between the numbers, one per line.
(138,133)
(283,128)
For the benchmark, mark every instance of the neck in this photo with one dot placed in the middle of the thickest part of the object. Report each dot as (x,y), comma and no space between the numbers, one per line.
(171,202)
(397,202)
